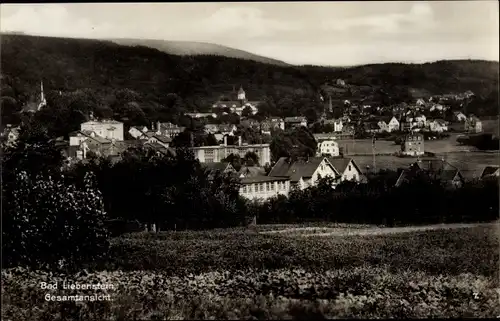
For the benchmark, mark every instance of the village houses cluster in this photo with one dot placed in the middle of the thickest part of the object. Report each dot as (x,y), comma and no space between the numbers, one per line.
(108,138)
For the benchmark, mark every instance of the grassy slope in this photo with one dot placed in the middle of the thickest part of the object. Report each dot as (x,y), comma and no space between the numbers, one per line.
(196,48)
(434,273)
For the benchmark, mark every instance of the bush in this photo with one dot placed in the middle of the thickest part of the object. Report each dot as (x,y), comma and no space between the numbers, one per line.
(48,224)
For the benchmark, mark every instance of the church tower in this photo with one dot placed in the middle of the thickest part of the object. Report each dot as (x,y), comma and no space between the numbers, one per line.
(42,102)
(241,95)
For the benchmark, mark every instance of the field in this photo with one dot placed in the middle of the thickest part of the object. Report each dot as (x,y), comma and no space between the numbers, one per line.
(244,274)
(364,146)
(470,164)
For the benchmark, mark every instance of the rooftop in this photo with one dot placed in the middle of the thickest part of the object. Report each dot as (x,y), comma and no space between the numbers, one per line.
(262,179)
(296,169)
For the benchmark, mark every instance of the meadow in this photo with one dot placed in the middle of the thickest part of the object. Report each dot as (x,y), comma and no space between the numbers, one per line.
(364,146)
(471,164)
(244,274)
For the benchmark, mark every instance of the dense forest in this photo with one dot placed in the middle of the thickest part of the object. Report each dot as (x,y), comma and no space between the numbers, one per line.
(140,85)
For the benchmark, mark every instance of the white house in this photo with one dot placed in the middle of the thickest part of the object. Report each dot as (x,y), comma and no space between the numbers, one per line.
(110,129)
(303,173)
(137,131)
(347,169)
(459,116)
(420,102)
(76,138)
(264,187)
(437,125)
(328,148)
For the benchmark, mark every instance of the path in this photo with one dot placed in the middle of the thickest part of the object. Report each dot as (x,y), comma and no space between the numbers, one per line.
(375,230)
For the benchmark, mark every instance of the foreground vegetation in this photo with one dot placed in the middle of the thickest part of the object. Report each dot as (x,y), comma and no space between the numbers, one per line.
(240,274)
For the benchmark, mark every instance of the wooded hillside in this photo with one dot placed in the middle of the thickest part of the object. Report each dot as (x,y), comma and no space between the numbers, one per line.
(161,86)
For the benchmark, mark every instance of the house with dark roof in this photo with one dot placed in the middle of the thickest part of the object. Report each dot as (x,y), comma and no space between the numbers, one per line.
(372,126)
(168,129)
(137,131)
(154,138)
(261,188)
(413,145)
(251,171)
(435,169)
(347,168)
(110,129)
(490,172)
(303,172)
(223,167)
(294,122)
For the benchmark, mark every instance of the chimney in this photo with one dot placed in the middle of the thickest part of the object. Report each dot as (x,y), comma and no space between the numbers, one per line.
(239,140)
(158,126)
(225,140)
(152,126)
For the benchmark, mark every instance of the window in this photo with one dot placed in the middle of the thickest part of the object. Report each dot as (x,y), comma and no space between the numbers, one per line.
(209,160)
(350,167)
(355,177)
(272,186)
(261,187)
(250,188)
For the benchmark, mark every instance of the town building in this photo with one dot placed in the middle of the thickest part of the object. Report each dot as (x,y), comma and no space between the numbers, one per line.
(137,131)
(210,154)
(473,125)
(272,123)
(220,167)
(303,172)
(110,129)
(261,188)
(251,171)
(295,122)
(328,148)
(347,168)
(437,125)
(435,169)
(224,129)
(459,116)
(239,104)
(413,145)
(167,129)
(201,115)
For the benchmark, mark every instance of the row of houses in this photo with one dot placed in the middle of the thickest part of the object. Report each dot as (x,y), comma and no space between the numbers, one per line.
(287,175)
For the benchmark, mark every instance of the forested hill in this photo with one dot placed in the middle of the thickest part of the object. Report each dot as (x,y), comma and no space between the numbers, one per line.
(193,48)
(160,84)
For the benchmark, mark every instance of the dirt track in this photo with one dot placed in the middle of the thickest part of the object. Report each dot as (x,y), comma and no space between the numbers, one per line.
(308,232)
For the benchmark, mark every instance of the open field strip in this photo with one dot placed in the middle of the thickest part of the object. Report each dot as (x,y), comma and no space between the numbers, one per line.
(445,271)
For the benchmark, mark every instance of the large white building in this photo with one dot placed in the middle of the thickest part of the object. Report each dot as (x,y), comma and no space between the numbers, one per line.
(110,129)
(215,154)
(328,148)
(264,187)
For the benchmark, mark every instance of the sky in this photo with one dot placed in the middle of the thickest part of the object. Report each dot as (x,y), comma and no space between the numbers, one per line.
(318,33)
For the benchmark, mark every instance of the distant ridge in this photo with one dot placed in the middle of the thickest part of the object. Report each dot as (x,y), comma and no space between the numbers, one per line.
(192,48)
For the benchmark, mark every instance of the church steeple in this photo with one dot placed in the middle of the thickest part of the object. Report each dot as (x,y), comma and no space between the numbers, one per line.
(42,102)
(241,94)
